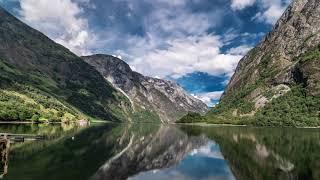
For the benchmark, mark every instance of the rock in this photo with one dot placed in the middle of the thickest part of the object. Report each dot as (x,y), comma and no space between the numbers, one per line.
(276,61)
(165,98)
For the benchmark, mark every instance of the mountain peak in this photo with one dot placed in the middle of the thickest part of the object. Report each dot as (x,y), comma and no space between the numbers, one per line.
(164,98)
(296,32)
(288,57)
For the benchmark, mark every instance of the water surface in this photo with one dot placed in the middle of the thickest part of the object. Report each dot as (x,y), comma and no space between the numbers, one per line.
(157,152)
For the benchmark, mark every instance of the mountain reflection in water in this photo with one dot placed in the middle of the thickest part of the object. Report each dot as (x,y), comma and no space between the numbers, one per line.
(158,152)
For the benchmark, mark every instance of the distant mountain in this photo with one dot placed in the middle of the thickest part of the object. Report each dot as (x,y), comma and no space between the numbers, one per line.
(165,99)
(278,82)
(42,80)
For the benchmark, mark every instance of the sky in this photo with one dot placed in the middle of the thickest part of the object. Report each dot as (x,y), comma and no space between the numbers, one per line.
(196,43)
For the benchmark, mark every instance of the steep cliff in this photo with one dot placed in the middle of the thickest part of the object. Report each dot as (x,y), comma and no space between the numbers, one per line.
(278,82)
(164,98)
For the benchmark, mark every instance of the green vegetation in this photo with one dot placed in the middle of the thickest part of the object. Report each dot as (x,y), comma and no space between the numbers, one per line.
(310,55)
(145,116)
(31,105)
(25,97)
(191,117)
(237,100)
(296,108)
(21,102)
(267,68)
(43,81)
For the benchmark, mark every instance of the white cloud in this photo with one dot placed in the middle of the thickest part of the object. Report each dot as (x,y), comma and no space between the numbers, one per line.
(187,55)
(241,4)
(208,97)
(162,21)
(173,45)
(59,19)
(240,50)
(271,10)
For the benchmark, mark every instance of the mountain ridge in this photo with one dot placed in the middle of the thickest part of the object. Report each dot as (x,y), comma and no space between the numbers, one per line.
(165,98)
(278,81)
(41,80)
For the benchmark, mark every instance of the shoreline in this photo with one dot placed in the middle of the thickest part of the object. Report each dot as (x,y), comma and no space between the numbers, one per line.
(185,124)
(206,124)
(24,122)
(32,122)
(237,125)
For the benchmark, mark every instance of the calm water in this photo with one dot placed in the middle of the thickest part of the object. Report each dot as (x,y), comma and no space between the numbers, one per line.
(146,151)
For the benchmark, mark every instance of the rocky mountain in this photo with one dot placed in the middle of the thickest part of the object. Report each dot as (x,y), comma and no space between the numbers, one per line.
(278,82)
(42,80)
(148,95)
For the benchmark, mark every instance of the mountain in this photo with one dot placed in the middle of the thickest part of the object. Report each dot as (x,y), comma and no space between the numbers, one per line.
(278,82)
(167,100)
(42,80)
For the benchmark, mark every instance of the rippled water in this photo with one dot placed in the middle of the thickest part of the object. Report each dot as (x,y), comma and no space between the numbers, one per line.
(156,152)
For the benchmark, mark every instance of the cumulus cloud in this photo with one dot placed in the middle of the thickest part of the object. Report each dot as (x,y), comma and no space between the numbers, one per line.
(165,23)
(271,10)
(169,39)
(209,97)
(187,55)
(172,46)
(178,45)
(241,4)
(60,20)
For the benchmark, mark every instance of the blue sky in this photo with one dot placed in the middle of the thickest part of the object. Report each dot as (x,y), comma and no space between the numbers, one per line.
(196,43)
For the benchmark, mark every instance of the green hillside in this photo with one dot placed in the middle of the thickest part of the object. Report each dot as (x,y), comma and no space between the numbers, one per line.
(278,82)
(42,80)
